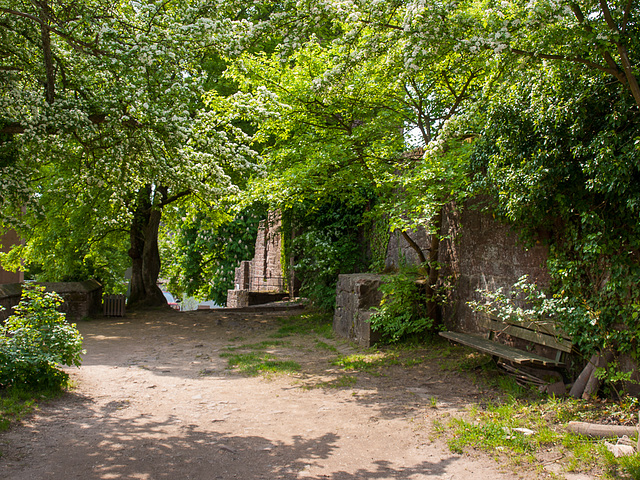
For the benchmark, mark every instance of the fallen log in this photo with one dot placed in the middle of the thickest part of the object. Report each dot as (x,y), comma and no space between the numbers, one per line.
(601,431)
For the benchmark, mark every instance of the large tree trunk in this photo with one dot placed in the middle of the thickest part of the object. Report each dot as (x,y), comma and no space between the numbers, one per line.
(144,253)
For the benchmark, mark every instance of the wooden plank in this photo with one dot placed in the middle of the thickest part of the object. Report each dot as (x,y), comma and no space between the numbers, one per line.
(114,305)
(544,326)
(529,335)
(499,350)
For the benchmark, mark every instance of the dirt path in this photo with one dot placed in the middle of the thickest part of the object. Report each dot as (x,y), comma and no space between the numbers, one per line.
(154,400)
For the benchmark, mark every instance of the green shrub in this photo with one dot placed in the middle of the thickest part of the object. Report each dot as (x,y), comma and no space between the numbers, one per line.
(403,310)
(35,341)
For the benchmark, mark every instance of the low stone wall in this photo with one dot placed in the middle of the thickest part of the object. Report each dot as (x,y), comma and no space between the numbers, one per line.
(10,294)
(355,295)
(247,298)
(81,299)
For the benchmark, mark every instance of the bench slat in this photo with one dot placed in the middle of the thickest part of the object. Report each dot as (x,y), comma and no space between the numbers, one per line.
(503,351)
(545,326)
(541,338)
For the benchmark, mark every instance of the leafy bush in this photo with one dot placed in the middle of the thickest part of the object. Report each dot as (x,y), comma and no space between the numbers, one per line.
(524,302)
(327,243)
(403,309)
(36,340)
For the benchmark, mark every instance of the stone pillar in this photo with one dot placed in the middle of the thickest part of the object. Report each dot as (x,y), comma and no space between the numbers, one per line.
(355,295)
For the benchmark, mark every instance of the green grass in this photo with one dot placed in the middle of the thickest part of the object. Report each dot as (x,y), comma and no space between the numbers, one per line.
(492,429)
(343,381)
(371,363)
(507,405)
(320,345)
(258,346)
(257,363)
(15,404)
(306,324)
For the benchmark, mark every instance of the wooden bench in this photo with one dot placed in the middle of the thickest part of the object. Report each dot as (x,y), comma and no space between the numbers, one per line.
(542,333)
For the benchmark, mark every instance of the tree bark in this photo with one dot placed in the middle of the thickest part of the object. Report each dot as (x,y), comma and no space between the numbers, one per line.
(144,253)
(434,269)
(579,385)
(47,55)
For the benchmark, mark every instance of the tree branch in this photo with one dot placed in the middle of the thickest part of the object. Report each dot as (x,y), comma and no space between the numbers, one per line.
(615,72)
(622,51)
(416,248)
(74,42)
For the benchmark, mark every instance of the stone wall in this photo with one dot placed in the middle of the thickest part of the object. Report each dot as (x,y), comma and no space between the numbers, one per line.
(355,295)
(477,253)
(481,253)
(7,241)
(266,267)
(399,252)
(260,280)
(10,294)
(81,299)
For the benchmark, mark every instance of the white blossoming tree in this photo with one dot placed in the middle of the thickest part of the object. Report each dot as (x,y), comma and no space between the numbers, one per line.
(102,114)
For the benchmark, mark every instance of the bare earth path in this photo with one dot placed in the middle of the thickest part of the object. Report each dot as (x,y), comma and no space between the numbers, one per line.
(154,400)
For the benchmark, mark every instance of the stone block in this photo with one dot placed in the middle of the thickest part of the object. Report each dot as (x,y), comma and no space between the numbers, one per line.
(355,295)
(237,298)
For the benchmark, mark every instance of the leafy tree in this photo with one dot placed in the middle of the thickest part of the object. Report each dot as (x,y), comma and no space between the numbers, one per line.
(103,104)
(560,158)
(599,36)
(336,110)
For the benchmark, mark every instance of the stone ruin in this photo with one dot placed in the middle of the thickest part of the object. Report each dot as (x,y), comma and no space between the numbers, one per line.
(261,279)
(477,253)
(81,299)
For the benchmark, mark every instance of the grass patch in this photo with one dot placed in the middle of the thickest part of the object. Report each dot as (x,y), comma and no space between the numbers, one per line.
(367,362)
(494,429)
(258,346)
(343,381)
(257,363)
(508,406)
(306,324)
(320,345)
(16,403)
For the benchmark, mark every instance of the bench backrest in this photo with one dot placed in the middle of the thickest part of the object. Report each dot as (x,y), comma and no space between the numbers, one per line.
(542,333)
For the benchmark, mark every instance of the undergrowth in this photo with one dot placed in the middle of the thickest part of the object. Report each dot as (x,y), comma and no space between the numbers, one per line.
(17,403)
(522,424)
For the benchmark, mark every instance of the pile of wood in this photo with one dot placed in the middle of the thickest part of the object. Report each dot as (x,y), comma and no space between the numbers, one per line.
(587,384)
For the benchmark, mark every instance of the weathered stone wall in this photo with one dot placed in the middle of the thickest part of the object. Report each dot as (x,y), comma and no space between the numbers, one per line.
(243,275)
(81,299)
(355,295)
(266,267)
(10,294)
(477,253)
(263,274)
(481,253)
(399,252)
